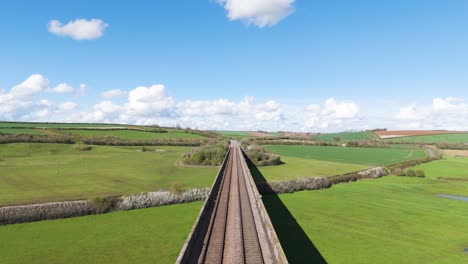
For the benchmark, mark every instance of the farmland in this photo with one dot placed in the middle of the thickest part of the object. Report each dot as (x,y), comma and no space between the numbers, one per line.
(131,134)
(448,167)
(15,131)
(389,220)
(346,136)
(49,172)
(138,236)
(57,125)
(449,138)
(295,167)
(234,134)
(361,156)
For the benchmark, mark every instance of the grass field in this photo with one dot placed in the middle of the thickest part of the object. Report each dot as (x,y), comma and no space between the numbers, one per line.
(50,172)
(294,167)
(153,235)
(235,134)
(21,131)
(361,156)
(55,125)
(449,167)
(131,134)
(346,136)
(450,138)
(388,220)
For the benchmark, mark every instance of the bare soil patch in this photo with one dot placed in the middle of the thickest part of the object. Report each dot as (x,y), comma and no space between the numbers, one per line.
(406,133)
(259,134)
(455,152)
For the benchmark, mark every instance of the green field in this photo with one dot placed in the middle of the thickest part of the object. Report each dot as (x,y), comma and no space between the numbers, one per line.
(131,134)
(294,167)
(153,235)
(235,134)
(49,172)
(56,125)
(449,167)
(387,220)
(346,136)
(15,131)
(449,138)
(362,156)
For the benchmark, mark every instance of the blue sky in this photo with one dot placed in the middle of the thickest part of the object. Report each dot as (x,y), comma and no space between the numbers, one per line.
(356,64)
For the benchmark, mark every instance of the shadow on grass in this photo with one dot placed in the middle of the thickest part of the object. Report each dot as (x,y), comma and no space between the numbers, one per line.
(295,242)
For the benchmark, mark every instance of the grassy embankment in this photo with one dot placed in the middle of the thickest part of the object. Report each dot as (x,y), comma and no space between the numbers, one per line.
(49,172)
(305,161)
(153,235)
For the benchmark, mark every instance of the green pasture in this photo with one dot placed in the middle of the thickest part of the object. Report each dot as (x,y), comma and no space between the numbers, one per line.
(34,172)
(449,138)
(15,131)
(294,167)
(153,235)
(236,134)
(346,136)
(130,134)
(388,220)
(55,125)
(448,167)
(361,156)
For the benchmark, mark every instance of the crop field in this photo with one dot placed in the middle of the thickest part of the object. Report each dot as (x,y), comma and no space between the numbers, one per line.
(361,156)
(14,131)
(449,138)
(294,167)
(153,235)
(387,220)
(235,134)
(56,125)
(50,172)
(346,136)
(131,134)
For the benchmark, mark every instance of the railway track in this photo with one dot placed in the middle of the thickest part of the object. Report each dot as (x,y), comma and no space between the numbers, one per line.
(232,227)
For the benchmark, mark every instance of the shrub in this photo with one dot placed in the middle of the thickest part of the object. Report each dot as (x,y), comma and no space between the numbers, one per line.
(398,172)
(102,204)
(209,154)
(410,172)
(151,199)
(260,157)
(37,212)
(176,188)
(82,147)
(294,185)
(420,173)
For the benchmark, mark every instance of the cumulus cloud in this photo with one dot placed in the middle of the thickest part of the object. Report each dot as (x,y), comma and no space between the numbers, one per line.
(62,88)
(79,29)
(110,94)
(67,106)
(33,84)
(258,12)
(333,115)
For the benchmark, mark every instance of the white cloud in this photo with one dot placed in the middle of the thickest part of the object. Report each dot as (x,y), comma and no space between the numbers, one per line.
(67,106)
(113,94)
(35,83)
(151,100)
(81,90)
(79,29)
(449,105)
(340,110)
(336,115)
(258,12)
(62,88)
(410,113)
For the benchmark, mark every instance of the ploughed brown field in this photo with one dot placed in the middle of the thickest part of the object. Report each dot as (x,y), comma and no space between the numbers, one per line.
(405,133)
